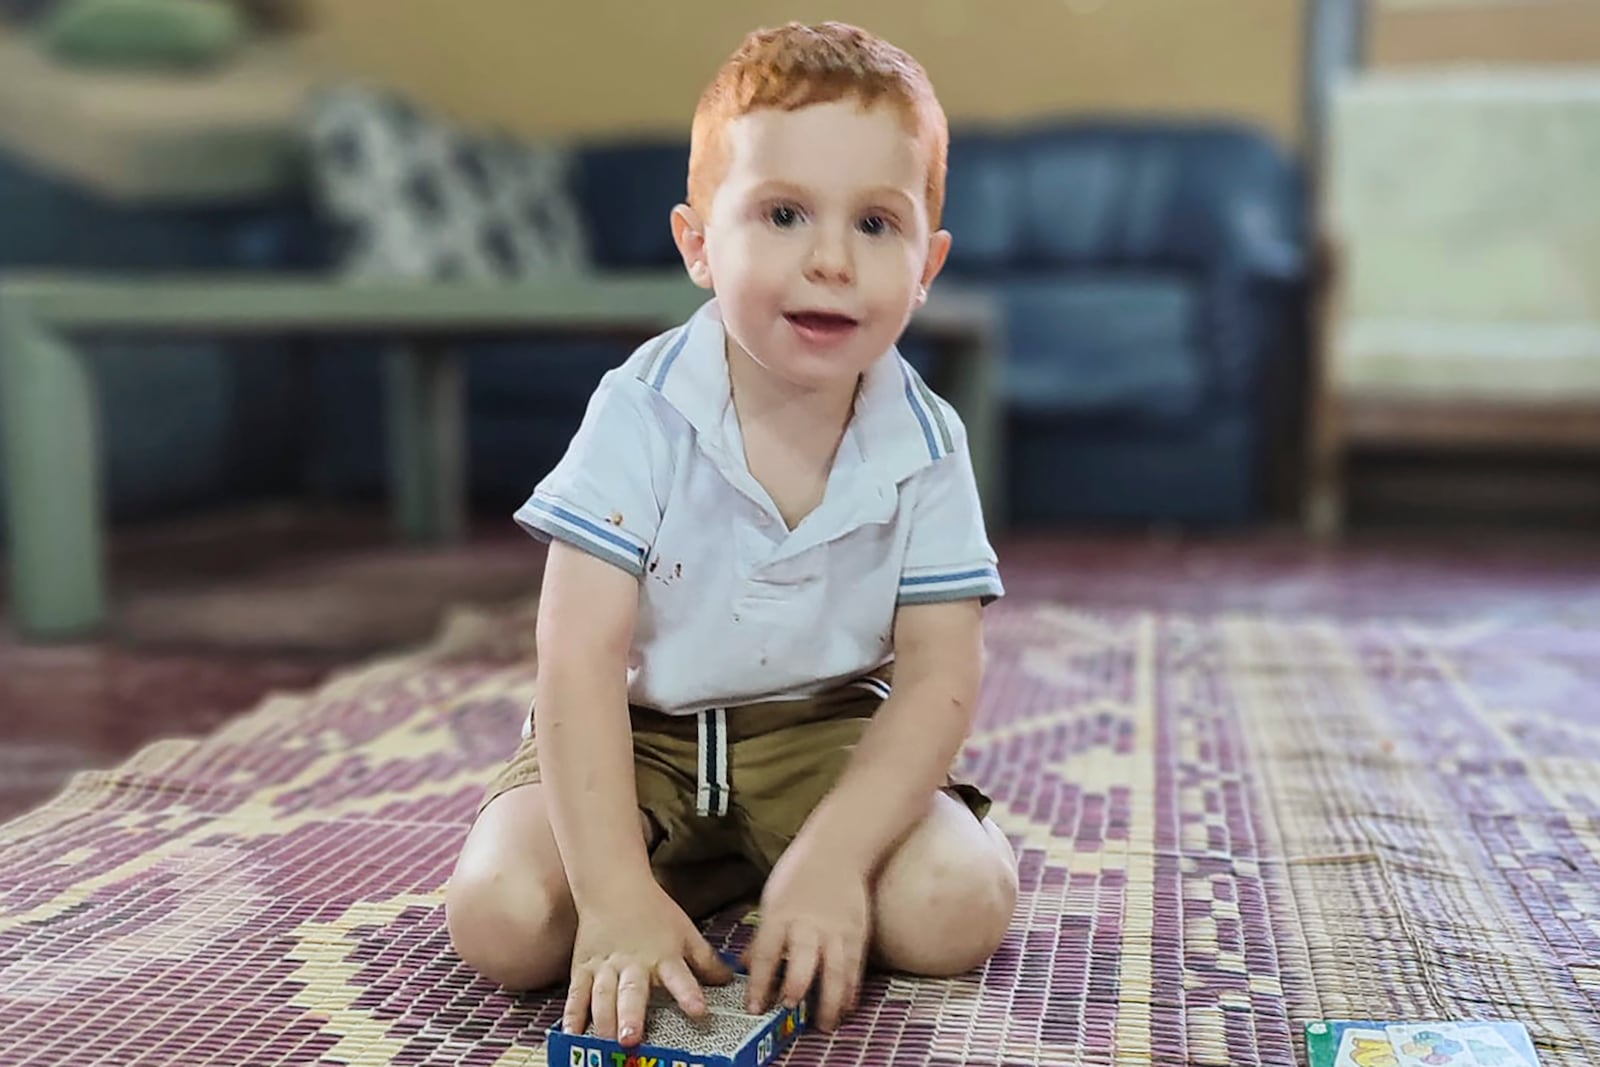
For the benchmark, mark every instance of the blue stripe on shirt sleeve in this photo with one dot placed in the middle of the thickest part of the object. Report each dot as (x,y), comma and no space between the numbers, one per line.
(562,523)
(950,576)
(982,583)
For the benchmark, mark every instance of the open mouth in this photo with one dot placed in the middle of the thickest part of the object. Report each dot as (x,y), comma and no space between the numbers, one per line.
(821,326)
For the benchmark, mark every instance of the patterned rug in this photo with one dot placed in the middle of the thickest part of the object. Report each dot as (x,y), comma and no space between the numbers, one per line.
(1227,826)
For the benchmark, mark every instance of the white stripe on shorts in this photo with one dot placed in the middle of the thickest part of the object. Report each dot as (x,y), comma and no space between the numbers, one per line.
(712,796)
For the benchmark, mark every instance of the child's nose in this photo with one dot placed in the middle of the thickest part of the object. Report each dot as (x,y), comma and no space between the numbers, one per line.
(830,261)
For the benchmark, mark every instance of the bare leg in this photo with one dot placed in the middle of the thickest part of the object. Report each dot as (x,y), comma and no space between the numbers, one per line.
(944,900)
(510,910)
(508,906)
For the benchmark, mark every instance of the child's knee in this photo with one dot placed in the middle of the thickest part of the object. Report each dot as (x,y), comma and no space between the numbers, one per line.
(946,929)
(511,926)
(945,909)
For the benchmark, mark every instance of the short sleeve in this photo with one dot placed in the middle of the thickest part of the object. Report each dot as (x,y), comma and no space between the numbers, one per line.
(948,556)
(603,496)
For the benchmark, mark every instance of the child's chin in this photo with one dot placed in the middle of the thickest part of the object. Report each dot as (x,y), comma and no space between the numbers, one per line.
(819,379)
(827,372)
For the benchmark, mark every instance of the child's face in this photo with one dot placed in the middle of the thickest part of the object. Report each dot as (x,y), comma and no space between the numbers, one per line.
(818,243)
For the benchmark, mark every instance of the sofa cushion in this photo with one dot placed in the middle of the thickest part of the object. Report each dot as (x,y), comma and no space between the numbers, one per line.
(627,191)
(983,203)
(1102,344)
(416,197)
(1192,196)
(1066,471)
(525,397)
(157,35)
(155,464)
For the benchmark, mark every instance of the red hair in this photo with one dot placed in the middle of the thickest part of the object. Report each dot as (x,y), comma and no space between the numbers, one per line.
(794,66)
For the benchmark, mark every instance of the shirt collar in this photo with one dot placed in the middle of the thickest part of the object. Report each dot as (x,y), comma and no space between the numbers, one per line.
(898,426)
(689,368)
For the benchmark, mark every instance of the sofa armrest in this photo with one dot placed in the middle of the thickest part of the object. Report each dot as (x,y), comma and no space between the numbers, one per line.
(1250,324)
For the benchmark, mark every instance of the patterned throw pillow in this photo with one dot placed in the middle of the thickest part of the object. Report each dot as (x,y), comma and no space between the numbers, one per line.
(411,196)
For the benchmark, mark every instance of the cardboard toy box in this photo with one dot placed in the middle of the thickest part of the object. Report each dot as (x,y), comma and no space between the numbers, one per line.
(729,1036)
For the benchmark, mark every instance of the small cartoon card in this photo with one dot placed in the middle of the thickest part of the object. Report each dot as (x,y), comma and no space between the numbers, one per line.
(1344,1043)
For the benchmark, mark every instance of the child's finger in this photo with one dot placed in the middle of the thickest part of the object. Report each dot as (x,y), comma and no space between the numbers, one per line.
(800,965)
(854,966)
(708,966)
(603,1002)
(633,997)
(575,1014)
(678,980)
(761,960)
(834,995)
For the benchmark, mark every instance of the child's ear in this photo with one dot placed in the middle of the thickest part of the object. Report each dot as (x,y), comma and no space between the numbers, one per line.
(938,249)
(688,233)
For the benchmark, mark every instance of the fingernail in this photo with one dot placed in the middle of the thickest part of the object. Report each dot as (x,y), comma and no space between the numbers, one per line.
(627,1032)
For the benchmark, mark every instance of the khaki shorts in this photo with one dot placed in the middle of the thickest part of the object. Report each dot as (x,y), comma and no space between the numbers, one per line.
(737,784)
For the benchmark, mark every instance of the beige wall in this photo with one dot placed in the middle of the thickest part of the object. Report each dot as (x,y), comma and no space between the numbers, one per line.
(608,66)
(1411,33)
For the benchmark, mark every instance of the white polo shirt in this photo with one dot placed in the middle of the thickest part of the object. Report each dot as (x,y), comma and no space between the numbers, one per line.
(734,607)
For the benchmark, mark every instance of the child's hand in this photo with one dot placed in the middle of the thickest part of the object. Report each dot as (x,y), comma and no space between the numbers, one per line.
(624,947)
(813,920)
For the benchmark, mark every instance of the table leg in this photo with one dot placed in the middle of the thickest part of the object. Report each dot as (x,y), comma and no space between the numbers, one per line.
(427,442)
(53,480)
(1325,490)
(971,366)
(1324,503)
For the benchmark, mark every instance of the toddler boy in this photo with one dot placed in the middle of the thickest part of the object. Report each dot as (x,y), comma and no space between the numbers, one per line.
(759,630)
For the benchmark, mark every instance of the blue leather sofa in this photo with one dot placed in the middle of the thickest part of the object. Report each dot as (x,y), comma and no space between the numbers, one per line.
(1153,277)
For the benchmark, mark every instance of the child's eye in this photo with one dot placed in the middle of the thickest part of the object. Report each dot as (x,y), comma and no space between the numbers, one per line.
(783,216)
(876,225)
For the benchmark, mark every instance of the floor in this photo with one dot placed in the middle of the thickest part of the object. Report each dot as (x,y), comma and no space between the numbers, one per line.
(215,613)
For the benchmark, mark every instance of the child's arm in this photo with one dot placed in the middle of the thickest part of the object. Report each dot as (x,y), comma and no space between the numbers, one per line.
(630,933)
(907,749)
(817,921)
(587,609)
